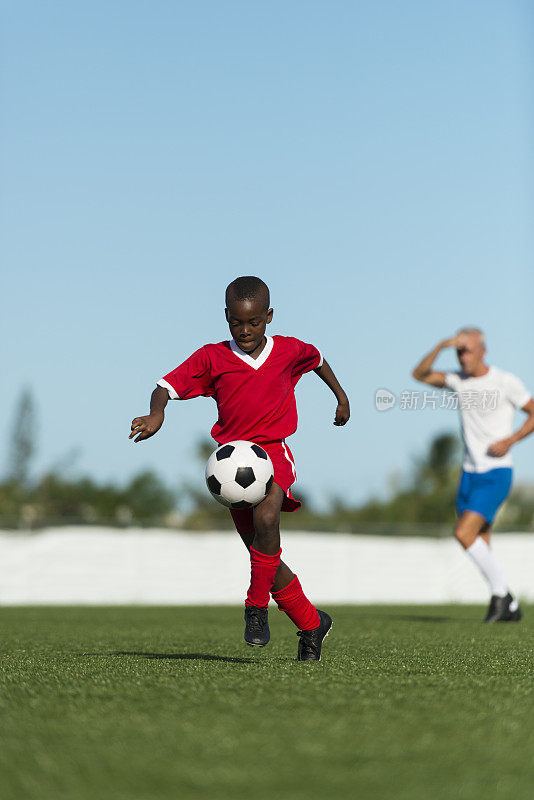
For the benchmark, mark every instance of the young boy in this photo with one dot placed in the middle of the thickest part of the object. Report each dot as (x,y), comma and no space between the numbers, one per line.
(252,379)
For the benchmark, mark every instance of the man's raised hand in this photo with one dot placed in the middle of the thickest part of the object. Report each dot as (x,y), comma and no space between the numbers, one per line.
(454,341)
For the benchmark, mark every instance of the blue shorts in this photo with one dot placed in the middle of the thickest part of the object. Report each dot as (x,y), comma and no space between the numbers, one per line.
(484,492)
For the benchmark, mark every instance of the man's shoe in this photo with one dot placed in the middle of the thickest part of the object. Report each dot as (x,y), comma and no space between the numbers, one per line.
(499,610)
(311,641)
(257,633)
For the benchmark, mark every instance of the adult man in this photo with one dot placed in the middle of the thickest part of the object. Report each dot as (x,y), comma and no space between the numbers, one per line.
(487,398)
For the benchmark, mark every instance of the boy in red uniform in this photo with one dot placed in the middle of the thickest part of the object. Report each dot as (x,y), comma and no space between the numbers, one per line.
(252,379)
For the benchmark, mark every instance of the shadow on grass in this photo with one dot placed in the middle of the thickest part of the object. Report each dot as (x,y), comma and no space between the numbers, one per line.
(185,656)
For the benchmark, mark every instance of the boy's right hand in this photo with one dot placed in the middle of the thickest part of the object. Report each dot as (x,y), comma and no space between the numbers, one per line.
(145,427)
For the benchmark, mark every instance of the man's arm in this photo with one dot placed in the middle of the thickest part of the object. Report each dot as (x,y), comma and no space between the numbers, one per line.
(501,448)
(343,409)
(145,427)
(423,371)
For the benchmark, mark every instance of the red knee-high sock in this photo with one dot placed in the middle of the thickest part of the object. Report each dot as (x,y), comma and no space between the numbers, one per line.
(262,571)
(298,608)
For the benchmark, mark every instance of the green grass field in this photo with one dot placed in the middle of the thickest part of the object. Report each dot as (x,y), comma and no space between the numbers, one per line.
(126,703)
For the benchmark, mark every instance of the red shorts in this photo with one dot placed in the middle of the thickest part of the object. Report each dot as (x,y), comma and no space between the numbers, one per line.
(284,475)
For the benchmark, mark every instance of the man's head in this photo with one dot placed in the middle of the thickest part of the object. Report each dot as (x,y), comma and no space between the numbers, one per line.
(248,312)
(471,349)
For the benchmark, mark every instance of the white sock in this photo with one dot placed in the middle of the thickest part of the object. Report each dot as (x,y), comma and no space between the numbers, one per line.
(489,566)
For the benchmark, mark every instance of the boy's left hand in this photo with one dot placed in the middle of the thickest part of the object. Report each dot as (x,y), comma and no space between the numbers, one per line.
(342,413)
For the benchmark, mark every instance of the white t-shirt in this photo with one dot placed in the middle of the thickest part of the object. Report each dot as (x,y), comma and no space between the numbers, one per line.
(486,406)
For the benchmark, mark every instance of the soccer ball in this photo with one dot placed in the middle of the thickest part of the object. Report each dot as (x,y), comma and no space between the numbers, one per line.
(239,474)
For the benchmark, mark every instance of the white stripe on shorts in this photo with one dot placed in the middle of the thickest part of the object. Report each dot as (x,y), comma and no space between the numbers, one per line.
(286,453)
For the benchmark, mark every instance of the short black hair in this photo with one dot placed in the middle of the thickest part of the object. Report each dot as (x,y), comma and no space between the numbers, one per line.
(248,287)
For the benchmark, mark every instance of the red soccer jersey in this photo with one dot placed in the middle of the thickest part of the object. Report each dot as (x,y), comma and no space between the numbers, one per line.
(255,397)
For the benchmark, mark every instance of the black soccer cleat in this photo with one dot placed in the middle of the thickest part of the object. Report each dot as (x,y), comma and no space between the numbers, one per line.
(257,633)
(310,642)
(499,610)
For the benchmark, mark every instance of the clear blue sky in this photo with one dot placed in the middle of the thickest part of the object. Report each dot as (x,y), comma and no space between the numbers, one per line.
(372,161)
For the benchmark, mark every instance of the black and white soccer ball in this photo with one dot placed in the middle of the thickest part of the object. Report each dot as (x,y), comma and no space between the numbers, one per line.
(239,474)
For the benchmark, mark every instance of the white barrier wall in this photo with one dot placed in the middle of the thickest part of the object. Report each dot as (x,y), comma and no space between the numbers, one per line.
(109,566)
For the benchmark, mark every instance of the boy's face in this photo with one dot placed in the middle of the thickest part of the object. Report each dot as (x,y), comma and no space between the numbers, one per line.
(247,320)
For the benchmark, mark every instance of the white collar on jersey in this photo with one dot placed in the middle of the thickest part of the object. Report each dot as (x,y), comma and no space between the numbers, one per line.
(255,363)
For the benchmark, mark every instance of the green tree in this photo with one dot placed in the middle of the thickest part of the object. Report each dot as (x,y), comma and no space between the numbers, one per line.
(23,439)
(425,497)
(439,465)
(148,498)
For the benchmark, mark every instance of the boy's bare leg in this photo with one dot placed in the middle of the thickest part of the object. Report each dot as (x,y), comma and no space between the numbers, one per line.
(267,522)
(264,564)
(284,575)
(264,543)
(286,590)
(264,550)
(266,538)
